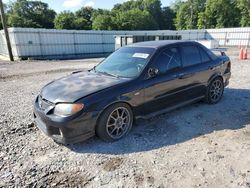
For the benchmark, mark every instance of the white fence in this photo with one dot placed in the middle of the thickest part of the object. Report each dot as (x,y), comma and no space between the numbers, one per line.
(230,36)
(51,43)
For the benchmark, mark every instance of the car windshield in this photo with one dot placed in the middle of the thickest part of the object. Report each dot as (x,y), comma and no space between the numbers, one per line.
(126,62)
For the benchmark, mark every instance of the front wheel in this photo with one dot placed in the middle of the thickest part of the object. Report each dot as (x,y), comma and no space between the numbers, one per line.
(115,122)
(215,91)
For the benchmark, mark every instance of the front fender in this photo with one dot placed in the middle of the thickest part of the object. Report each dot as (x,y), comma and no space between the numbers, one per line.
(104,106)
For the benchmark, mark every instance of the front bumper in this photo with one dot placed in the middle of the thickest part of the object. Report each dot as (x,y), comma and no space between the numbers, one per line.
(65,130)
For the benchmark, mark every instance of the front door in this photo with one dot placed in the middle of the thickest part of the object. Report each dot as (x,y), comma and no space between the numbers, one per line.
(162,90)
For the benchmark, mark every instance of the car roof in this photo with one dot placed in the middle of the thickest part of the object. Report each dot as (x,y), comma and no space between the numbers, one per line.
(159,43)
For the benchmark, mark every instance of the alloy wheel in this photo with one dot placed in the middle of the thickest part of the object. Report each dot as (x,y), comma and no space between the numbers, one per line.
(118,122)
(216,90)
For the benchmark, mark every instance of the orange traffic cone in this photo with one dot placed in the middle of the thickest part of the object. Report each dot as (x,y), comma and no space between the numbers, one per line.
(241,54)
(245,53)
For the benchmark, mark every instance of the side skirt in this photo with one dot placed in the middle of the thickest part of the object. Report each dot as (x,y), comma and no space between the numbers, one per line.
(170,108)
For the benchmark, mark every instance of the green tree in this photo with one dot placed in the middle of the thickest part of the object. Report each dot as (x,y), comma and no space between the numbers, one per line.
(99,11)
(86,13)
(182,14)
(68,20)
(128,5)
(202,23)
(168,16)
(36,14)
(104,22)
(81,23)
(244,7)
(65,20)
(131,15)
(135,19)
(187,13)
(153,7)
(219,14)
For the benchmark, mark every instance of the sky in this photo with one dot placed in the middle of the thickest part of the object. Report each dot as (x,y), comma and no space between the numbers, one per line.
(72,5)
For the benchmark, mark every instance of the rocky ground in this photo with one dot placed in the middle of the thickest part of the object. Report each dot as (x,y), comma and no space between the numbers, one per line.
(196,146)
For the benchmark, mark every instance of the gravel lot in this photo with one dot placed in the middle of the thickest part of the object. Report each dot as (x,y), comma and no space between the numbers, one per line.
(196,146)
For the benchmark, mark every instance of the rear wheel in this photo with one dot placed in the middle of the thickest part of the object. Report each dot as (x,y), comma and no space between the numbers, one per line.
(215,91)
(115,122)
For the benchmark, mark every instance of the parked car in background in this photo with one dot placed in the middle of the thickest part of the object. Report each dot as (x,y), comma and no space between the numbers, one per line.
(137,81)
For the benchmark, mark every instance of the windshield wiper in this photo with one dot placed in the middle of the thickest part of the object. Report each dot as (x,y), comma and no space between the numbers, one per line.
(109,74)
(92,69)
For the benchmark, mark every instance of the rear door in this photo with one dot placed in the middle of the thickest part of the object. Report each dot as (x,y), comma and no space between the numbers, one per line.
(209,65)
(196,70)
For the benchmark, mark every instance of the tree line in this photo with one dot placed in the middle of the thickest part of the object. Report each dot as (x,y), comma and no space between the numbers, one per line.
(133,15)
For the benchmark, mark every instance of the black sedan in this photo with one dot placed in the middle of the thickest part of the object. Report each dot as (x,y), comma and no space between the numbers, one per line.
(137,81)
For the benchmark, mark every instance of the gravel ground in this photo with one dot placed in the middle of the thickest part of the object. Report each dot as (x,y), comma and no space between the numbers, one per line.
(196,146)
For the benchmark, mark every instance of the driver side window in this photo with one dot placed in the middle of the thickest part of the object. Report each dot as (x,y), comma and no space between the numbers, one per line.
(168,59)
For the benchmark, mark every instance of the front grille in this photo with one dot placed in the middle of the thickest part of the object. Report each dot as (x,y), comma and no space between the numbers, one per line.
(44,104)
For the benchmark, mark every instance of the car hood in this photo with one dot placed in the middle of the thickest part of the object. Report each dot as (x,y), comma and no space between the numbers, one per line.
(77,85)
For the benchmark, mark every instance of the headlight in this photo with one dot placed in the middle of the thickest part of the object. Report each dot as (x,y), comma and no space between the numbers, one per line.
(66,109)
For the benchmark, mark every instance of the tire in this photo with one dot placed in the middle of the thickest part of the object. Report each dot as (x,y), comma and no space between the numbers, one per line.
(115,122)
(215,91)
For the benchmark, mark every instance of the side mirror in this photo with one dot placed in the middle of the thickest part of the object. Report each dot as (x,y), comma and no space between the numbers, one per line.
(152,72)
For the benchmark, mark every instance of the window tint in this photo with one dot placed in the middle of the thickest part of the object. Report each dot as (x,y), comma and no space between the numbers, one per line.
(211,54)
(168,59)
(204,56)
(190,55)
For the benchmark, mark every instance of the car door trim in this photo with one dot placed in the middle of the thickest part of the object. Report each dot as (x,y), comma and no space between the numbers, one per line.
(176,92)
(170,108)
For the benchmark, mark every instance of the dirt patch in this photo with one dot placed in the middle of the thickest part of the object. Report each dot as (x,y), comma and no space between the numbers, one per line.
(112,164)
(60,179)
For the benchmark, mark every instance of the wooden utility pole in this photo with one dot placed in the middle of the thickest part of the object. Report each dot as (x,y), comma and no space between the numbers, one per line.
(6,31)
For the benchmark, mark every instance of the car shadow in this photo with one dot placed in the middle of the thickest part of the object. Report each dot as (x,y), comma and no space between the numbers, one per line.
(232,112)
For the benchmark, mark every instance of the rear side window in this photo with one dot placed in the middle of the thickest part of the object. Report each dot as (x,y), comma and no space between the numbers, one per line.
(211,54)
(168,59)
(190,55)
(204,56)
